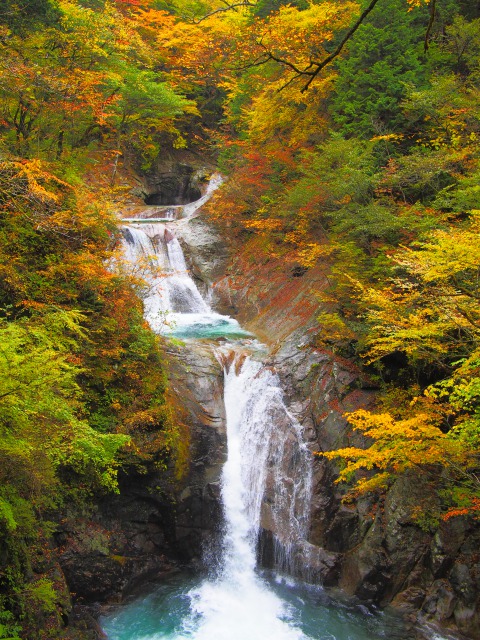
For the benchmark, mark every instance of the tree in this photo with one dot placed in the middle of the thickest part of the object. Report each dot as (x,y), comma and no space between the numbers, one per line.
(384,56)
(431,314)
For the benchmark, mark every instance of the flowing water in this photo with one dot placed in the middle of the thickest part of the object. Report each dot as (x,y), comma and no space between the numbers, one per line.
(267,458)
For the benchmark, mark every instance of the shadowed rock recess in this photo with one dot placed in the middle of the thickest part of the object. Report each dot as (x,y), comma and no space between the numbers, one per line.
(179,185)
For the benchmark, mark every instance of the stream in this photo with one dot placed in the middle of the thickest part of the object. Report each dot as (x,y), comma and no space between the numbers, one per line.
(237,600)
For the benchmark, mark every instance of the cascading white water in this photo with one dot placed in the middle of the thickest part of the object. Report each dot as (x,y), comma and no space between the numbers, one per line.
(238,604)
(266,484)
(170,288)
(172,301)
(274,454)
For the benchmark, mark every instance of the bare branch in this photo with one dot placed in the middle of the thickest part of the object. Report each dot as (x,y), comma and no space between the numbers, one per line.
(269,56)
(308,71)
(430,24)
(335,53)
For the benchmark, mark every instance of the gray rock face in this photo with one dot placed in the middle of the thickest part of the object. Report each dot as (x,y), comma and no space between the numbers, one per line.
(197,379)
(155,525)
(175,182)
(206,255)
(127,540)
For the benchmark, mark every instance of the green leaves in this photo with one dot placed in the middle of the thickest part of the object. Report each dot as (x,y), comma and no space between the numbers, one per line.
(384,55)
(81,79)
(40,407)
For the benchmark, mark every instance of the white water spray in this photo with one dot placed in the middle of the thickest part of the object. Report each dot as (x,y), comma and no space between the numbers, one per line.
(171,298)
(266,483)
(238,604)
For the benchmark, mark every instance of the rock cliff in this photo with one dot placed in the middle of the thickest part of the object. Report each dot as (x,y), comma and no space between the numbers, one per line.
(376,551)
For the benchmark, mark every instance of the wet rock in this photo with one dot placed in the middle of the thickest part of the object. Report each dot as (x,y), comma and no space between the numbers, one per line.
(409,601)
(197,380)
(440,600)
(445,546)
(83,624)
(321,566)
(343,532)
(206,255)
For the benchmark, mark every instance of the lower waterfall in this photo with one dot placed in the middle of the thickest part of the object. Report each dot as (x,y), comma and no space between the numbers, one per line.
(238,604)
(237,601)
(261,487)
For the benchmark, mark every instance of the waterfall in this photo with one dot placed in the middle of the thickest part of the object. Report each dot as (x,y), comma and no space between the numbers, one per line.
(266,486)
(266,478)
(276,462)
(158,259)
(237,604)
(172,301)
(275,467)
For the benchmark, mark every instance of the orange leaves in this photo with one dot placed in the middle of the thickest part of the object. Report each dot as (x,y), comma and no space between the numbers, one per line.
(26,185)
(265,224)
(199,53)
(472,508)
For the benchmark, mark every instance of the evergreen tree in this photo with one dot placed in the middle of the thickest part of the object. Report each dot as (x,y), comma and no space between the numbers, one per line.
(385,54)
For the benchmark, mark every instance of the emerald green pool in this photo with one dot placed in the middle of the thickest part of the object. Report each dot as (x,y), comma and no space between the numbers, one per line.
(307,613)
(204,326)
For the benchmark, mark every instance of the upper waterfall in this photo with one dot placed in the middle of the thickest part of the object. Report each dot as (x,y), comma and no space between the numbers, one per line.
(172,301)
(176,211)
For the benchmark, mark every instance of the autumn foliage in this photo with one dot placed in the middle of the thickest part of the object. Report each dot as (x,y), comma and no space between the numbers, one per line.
(372,172)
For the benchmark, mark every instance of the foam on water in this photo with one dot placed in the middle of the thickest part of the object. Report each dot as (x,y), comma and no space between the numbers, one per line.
(237,604)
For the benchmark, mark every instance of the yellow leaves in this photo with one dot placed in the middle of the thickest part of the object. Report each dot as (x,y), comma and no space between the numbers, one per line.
(333,329)
(388,137)
(27,182)
(300,35)
(385,429)
(265,224)
(288,115)
(309,255)
(197,51)
(446,254)
(397,446)
(417,3)
(422,312)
